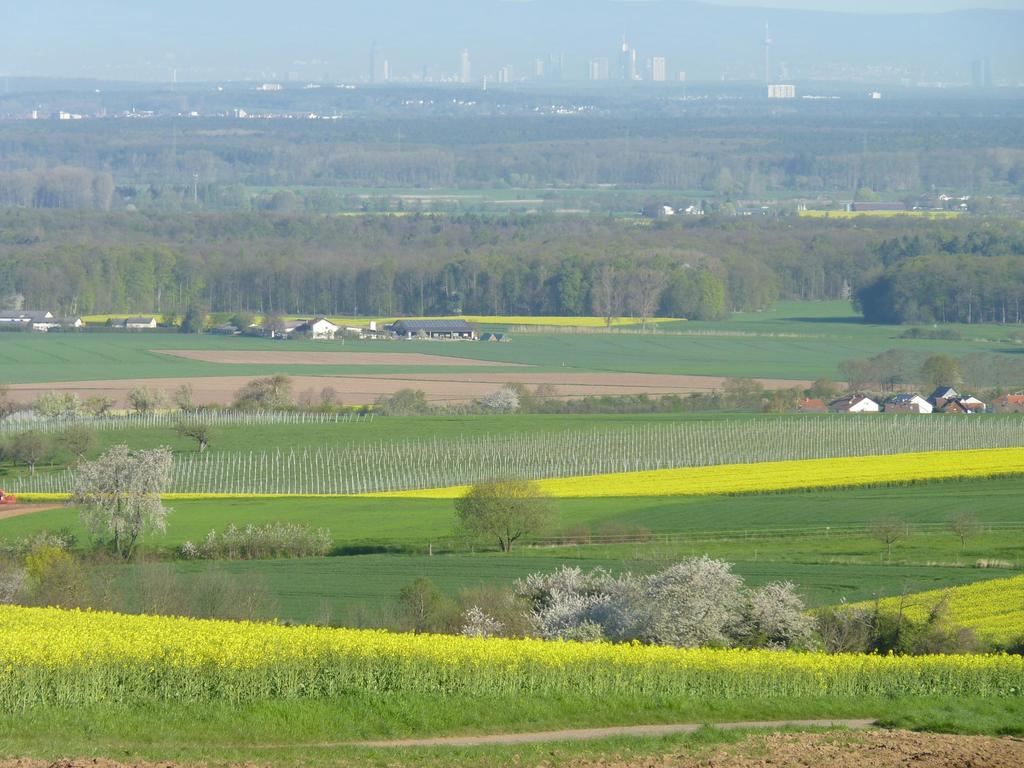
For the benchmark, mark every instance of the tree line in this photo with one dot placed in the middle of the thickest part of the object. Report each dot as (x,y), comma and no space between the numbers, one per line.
(82,263)
(976,277)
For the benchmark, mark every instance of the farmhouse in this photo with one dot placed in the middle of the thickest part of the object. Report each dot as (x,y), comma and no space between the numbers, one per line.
(1009,403)
(907,402)
(317,328)
(31,319)
(434,329)
(854,404)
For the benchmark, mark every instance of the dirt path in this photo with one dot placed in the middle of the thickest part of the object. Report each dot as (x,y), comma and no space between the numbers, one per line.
(590,734)
(831,749)
(19,509)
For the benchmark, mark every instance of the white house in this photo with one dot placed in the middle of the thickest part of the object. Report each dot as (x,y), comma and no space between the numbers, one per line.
(907,402)
(322,328)
(854,404)
(317,328)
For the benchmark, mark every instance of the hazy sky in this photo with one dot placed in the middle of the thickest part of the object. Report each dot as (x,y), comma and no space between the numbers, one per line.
(878,6)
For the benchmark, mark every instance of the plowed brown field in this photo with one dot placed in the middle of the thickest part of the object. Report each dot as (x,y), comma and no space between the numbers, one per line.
(439,387)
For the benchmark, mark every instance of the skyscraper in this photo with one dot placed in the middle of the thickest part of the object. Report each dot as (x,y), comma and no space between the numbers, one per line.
(465,70)
(658,69)
(981,73)
(597,69)
(625,69)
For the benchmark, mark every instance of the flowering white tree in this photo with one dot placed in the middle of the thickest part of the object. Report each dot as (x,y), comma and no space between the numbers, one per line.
(119,494)
(503,401)
(698,602)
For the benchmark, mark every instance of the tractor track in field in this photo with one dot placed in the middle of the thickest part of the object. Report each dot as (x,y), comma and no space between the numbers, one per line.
(19,509)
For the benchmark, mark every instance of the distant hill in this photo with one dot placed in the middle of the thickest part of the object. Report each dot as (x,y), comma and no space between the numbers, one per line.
(314,39)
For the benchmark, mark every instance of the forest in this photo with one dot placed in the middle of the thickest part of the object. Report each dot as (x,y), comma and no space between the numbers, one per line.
(79,262)
(716,145)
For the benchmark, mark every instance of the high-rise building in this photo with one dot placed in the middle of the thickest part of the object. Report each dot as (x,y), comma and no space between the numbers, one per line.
(505,74)
(598,70)
(624,61)
(538,68)
(658,69)
(386,71)
(981,73)
(465,70)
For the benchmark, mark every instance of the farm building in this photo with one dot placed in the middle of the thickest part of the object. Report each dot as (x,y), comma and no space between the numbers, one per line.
(854,404)
(907,402)
(493,337)
(1009,403)
(32,319)
(135,323)
(433,329)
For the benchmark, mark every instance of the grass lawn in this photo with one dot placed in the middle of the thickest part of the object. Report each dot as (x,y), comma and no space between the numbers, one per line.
(308,733)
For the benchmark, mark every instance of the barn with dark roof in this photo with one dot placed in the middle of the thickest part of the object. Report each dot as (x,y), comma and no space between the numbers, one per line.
(433,329)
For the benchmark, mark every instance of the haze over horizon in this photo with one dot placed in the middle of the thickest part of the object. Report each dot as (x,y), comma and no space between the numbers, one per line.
(318,41)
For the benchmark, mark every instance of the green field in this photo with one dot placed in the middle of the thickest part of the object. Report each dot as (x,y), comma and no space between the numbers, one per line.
(818,540)
(795,340)
(413,523)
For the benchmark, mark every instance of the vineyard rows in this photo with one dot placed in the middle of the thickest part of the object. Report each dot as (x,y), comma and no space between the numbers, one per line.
(28,420)
(430,463)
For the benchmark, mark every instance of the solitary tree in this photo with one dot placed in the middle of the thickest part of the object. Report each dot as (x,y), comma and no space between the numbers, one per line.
(29,448)
(98,405)
(941,370)
(964,525)
(200,432)
(505,510)
(55,404)
(266,393)
(78,440)
(889,531)
(184,398)
(606,294)
(119,494)
(145,400)
(645,287)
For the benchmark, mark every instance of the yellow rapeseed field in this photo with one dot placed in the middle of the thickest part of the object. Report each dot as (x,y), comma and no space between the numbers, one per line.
(50,656)
(993,609)
(773,476)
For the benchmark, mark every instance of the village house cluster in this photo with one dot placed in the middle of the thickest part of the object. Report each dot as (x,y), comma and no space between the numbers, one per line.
(942,400)
(312,328)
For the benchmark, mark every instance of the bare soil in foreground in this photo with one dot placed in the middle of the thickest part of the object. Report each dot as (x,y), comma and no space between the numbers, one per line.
(438,387)
(835,749)
(19,509)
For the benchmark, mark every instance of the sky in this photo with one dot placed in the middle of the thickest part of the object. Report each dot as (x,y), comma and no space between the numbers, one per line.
(878,6)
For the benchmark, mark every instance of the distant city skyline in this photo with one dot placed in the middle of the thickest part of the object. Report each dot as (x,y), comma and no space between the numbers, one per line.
(878,6)
(573,40)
